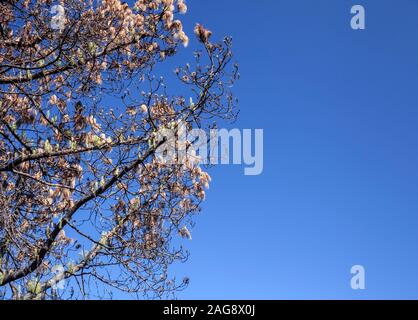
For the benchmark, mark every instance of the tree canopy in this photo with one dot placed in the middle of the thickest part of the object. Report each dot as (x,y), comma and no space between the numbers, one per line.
(83,198)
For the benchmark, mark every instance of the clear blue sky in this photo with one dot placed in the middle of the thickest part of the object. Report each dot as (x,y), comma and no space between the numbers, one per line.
(339,109)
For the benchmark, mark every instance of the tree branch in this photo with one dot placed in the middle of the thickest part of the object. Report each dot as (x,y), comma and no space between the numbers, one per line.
(15,275)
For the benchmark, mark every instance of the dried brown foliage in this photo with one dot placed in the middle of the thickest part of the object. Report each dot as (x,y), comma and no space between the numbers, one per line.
(78,175)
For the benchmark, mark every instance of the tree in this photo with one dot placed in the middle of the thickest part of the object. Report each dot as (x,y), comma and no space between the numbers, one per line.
(83,197)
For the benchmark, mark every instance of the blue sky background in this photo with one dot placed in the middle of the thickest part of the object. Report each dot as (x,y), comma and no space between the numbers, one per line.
(339,109)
